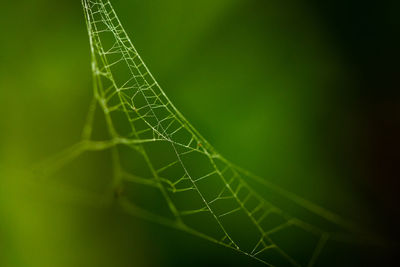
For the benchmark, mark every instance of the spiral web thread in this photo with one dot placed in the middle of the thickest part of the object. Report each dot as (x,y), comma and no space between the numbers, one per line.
(199,191)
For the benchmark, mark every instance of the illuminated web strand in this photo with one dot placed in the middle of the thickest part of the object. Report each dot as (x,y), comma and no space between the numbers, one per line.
(124,85)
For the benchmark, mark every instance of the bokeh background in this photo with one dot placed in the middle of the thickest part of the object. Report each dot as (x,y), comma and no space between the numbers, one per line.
(303,93)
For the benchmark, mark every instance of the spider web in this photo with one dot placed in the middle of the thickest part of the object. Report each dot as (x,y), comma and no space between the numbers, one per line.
(153,147)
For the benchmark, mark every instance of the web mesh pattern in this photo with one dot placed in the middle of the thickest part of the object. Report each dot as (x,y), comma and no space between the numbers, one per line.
(155,148)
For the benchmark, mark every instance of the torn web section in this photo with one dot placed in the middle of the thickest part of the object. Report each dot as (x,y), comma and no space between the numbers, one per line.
(159,151)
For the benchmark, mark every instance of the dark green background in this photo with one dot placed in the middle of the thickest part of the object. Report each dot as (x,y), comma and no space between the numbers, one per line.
(302,93)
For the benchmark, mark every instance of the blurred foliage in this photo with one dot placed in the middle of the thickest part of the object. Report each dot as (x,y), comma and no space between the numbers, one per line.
(264,81)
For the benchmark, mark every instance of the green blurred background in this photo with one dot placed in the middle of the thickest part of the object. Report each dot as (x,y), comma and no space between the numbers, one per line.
(303,93)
